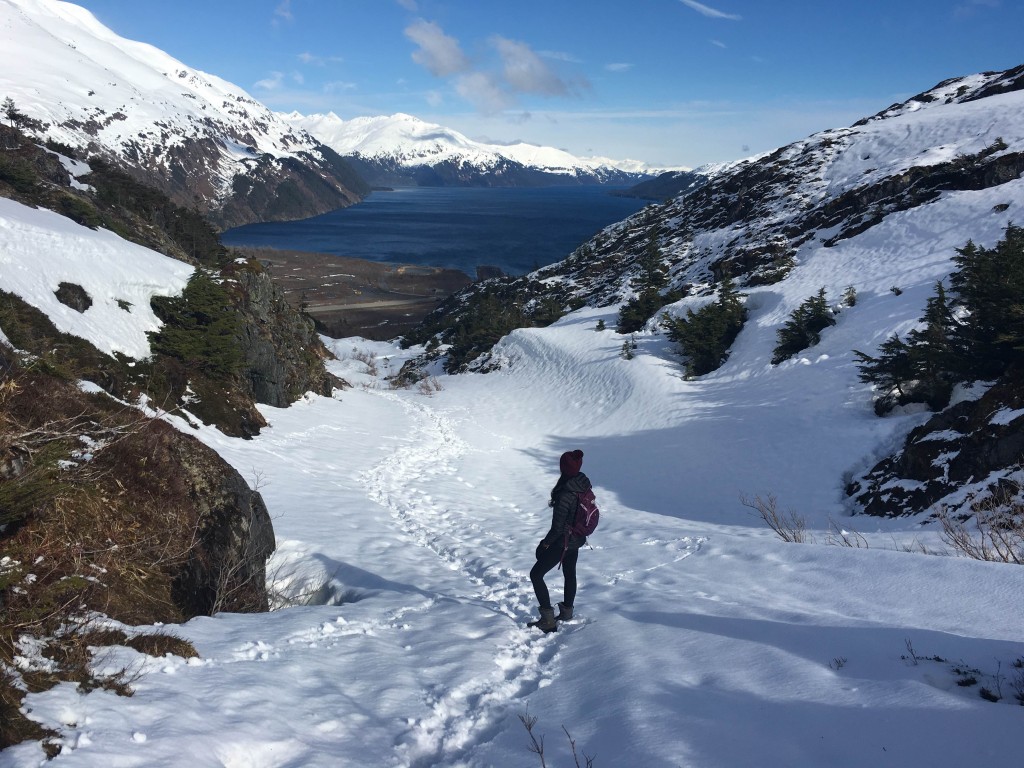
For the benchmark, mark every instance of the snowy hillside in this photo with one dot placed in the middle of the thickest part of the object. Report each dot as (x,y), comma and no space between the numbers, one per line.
(198,137)
(406,519)
(761,217)
(403,144)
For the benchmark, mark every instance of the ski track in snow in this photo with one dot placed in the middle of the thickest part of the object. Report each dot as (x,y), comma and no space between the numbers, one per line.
(470,713)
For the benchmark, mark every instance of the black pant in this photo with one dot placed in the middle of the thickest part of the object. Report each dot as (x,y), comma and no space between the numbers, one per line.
(549,559)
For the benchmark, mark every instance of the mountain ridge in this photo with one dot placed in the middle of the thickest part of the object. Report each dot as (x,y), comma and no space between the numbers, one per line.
(403,149)
(203,141)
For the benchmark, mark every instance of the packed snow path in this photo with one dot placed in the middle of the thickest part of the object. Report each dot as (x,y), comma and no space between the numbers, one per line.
(471,711)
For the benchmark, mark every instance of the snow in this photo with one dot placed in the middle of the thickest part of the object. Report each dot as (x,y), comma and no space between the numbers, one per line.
(406,524)
(40,249)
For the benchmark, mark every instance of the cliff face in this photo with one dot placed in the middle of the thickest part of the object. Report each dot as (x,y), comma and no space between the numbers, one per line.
(282,351)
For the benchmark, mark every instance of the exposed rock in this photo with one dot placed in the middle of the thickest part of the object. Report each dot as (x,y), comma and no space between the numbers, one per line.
(283,354)
(74,296)
(974,445)
(226,570)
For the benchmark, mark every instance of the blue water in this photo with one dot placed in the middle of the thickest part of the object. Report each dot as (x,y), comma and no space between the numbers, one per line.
(516,229)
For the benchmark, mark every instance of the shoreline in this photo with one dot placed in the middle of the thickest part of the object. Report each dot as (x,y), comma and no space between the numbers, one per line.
(346,296)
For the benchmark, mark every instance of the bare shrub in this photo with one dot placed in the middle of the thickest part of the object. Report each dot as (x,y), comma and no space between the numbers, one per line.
(367,359)
(995,531)
(845,536)
(160,644)
(429,385)
(788,526)
(536,745)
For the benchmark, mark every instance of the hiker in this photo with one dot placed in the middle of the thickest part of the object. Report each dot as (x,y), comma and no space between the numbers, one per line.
(559,544)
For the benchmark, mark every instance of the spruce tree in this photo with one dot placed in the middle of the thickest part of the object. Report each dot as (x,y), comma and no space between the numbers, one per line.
(891,370)
(932,350)
(990,285)
(705,336)
(803,328)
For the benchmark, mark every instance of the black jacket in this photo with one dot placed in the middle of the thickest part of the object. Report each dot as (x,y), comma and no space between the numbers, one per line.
(563,510)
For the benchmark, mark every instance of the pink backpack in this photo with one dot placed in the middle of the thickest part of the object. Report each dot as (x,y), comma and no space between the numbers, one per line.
(587,515)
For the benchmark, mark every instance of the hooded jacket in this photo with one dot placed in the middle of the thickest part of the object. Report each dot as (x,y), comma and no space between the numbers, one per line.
(563,509)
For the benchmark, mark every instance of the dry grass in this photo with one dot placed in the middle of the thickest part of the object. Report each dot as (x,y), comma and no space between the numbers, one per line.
(93,524)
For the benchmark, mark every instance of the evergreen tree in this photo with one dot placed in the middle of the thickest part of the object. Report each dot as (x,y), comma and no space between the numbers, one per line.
(803,328)
(990,285)
(932,350)
(201,327)
(10,110)
(648,283)
(891,370)
(705,336)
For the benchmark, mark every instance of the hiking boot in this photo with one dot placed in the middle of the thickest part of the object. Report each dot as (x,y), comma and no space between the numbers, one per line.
(564,612)
(547,621)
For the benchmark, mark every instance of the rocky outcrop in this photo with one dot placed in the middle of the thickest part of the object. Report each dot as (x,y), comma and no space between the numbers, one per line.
(962,455)
(234,536)
(282,352)
(173,528)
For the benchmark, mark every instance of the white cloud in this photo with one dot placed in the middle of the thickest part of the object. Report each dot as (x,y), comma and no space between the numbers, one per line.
(434,98)
(484,92)
(618,66)
(713,13)
(318,61)
(271,83)
(525,72)
(284,11)
(719,43)
(971,7)
(338,85)
(438,52)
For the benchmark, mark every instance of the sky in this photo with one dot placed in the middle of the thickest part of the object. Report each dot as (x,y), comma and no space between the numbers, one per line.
(668,82)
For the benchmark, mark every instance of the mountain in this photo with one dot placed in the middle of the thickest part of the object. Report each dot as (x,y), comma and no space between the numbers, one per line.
(402,150)
(880,207)
(198,138)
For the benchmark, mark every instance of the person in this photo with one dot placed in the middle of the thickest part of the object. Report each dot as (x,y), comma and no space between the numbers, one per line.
(558,545)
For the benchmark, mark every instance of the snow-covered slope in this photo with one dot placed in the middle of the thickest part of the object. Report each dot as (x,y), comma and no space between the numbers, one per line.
(403,144)
(40,249)
(191,133)
(760,217)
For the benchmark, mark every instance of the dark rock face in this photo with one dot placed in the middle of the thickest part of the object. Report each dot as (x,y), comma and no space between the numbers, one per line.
(266,188)
(976,444)
(74,296)
(231,532)
(283,354)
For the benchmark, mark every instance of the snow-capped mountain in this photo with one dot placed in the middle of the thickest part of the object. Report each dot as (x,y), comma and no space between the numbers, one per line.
(402,149)
(202,140)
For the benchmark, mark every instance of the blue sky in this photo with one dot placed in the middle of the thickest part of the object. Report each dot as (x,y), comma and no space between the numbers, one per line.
(670,82)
